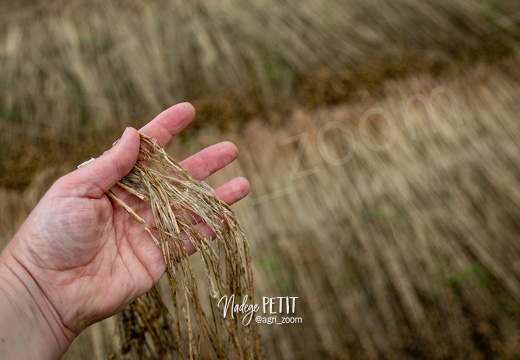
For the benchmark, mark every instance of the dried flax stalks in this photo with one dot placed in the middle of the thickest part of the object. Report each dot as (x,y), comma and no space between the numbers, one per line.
(180,204)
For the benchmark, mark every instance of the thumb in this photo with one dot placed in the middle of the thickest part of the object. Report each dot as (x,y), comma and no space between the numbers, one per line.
(100,175)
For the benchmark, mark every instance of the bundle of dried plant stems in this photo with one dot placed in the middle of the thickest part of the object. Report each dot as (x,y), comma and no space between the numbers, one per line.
(179,205)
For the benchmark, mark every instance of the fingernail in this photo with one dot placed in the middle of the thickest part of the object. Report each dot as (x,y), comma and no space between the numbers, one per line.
(125,133)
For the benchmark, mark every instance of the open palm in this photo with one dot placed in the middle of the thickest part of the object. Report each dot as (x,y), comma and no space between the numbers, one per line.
(85,253)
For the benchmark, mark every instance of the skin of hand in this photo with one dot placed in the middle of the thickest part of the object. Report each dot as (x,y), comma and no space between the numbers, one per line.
(79,257)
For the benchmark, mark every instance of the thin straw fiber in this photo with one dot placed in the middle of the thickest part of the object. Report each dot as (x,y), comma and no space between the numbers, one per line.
(181,206)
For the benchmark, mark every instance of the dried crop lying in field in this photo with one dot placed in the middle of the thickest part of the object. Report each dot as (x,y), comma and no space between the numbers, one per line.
(76,70)
(411,252)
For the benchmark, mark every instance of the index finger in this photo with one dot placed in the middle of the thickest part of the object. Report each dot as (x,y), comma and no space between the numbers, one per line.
(169,123)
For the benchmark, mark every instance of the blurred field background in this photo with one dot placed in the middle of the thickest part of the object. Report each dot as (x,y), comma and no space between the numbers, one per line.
(380,138)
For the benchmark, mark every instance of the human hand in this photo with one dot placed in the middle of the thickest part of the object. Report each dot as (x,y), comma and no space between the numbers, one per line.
(79,257)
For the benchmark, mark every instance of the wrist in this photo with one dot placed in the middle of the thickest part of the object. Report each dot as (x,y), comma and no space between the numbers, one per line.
(30,327)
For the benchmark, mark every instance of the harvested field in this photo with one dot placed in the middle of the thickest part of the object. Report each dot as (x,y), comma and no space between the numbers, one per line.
(80,71)
(385,187)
